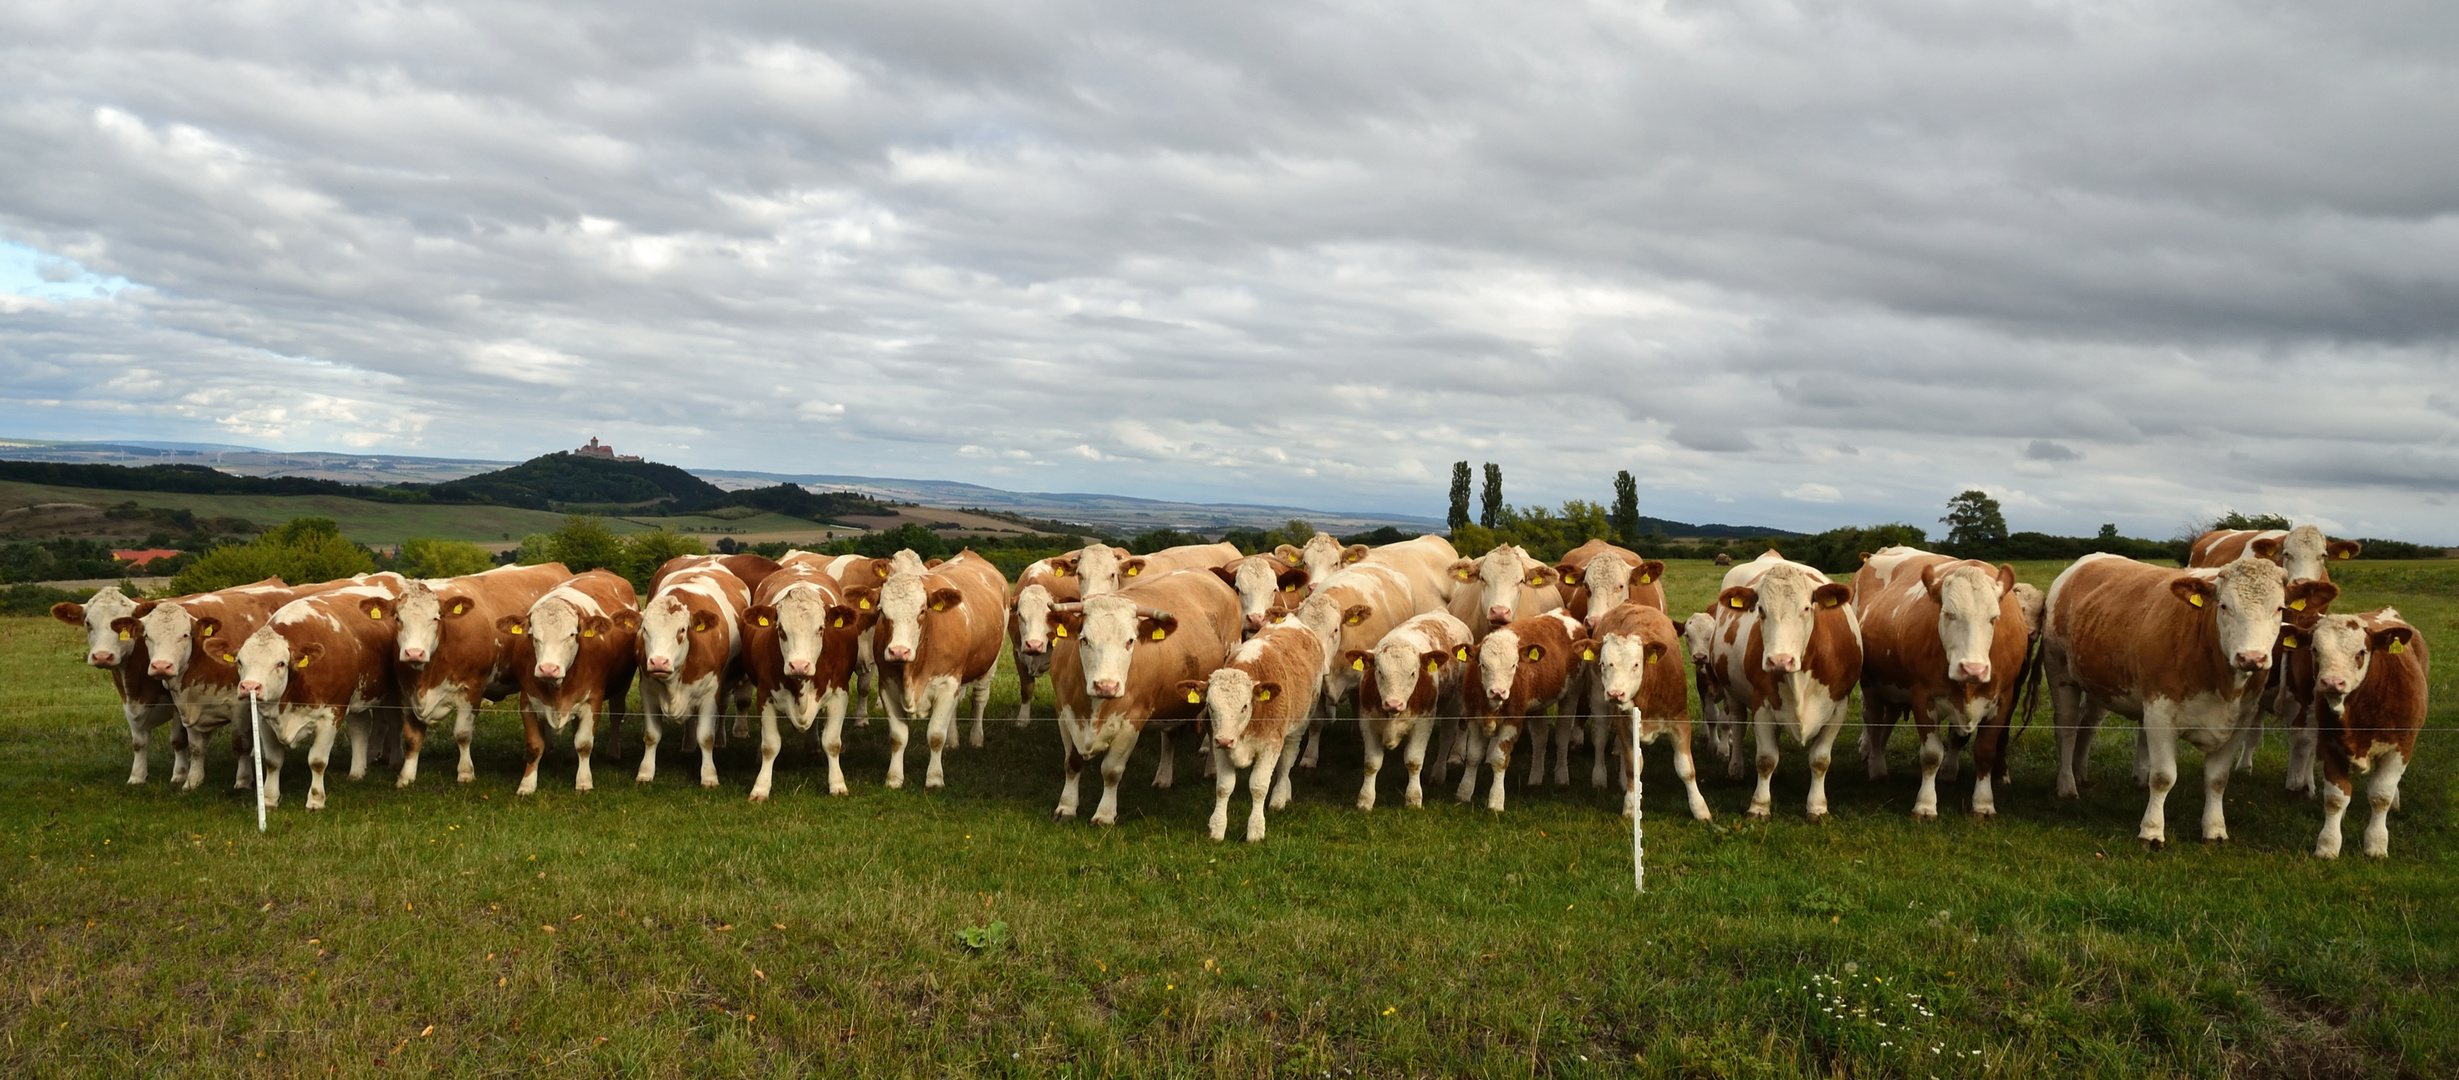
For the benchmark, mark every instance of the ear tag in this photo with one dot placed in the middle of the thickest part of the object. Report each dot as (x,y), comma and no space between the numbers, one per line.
(1289,588)
(1263,695)
(124,635)
(1134,570)
(2297,604)
(840,620)
(301,662)
(1652,657)
(2343,555)
(374,612)
(1159,633)
(2398,646)
(1194,698)
(1358,664)
(1829,602)
(934,607)
(2288,641)
(1537,581)
(764,620)
(1433,667)
(1058,571)
(1058,630)
(2195,599)
(1588,654)
(1353,620)
(230,658)
(459,608)
(1646,578)
(1567,579)
(585,632)
(1535,653)
(516,628)
(1736,603)
(864,603)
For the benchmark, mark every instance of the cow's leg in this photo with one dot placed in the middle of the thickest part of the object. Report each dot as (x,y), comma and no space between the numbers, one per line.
(2218,762)
(1449,754)
(1763,731)
(179,750)
(2304,735)
(1822,749)
(897,736)
(649,735)
(2066,707)
(465,726)
(361,733)
(866,680)
(2143,755)
(1631,764)
(1498,760)
(1877,725)
(981,705)
(1420,733)
(275,753)
(1597,738)
(243,751)
(1271,773)
(1736,727)
(1460,752)
(1989,751)
(1950,754)
(1114,766)
(1286,751)
(1024,696)
(1536,729)
(1073,765)
(584,741)
(1468,745)
(2336,792)
(1686,769)
(1166,771)
(833,739)
(414,739)
(2253,738)
(2383,794)
(533,745)
(1372,745)
(1224,784)
(706,731)
(943,732)
(320,754)
(1925,804)
(2158,742)
(1566,728)
(770,743)
(1314,732)
(140,738)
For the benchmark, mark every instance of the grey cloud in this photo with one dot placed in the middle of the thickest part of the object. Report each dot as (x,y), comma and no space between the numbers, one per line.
(2045,450)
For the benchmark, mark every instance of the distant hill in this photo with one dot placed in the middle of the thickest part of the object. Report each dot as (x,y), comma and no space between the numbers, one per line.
(569,482)
(375,469)
(186,480)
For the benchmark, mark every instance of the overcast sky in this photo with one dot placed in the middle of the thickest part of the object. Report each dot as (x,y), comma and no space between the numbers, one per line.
(1795,264)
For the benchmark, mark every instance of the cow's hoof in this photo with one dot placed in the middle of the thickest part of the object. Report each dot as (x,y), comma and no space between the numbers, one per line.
(1920,814)
(2153,844)
(708,783)
(1820,818)
(1984,815)
(896,783)
(759,796)
(2220,839)
(934,782)
(1759,813)
(1105,822)
(837,789)
(1060,814)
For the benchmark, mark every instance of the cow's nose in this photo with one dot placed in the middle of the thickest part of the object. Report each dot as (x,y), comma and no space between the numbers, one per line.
(1036,648)
(901,653)
(1108,688)
(1255,620)
(1498,615)
(550,671)
(1393,705)
(660,665)
(1783,662)
(2253,659)
(413,654)
(1613,695)
(1498,695)
(2335,684)
(1226,742)
(799,667)
(251,687)
(161,667)
(99,659)
(1969,671)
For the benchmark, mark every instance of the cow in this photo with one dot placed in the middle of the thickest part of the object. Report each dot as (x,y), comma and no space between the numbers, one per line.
(2304,552)
(1115,663)
(799,637)
(1788,649)
(1263,582)
(120,650)
(322,661)
(938,638)
(187,641)
(1351,610)
(1258,702)
(1638,668)
(1507,585)
(2380,660)
(854,572)
(583,648)
(1944,640)
(1038,587)
(691,656)
(2183,653)
(1100,568)
(1523,669)
(1321,556)
(452,657)
(1639,579)
(1723,725)
(1419,670)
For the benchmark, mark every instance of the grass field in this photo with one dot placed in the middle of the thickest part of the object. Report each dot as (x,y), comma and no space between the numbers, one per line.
(387,524)
(672,931)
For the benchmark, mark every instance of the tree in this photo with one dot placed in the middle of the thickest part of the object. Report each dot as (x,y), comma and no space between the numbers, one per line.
(421,557)
(585,544)
(304,551)
(2108,532)
(1459,514)
(2237,520)
(1625,517)
(1974,518)
(1490,500)
(644,552)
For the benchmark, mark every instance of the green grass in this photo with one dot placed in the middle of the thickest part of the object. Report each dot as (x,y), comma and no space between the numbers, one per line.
(148,932)
(385,523)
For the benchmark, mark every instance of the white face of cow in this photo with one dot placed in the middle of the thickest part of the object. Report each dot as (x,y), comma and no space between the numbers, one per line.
(1623,664)
(1399,661)
(1787,613)
(1608,579)
(1102,570)
(1498,663)
(1502,572)
(1699,636)
(1968,621)
(802,622)
(1033,620)
(1258,581)
(421,626)
(2340,658)
(1321,615)
(899,632)
(105,646)
(264,665)
(665,632)
(554,637)
(2304,552)
(1321,556)
(2248,596)
(1230,696)
(168,630)
(1107,647)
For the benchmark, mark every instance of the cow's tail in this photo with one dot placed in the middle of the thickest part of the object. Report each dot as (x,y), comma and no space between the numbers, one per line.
(2028,685)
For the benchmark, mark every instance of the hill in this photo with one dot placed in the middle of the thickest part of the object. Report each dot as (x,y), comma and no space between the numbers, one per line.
(579,483)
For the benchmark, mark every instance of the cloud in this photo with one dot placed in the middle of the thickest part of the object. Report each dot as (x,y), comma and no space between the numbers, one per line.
(1815,493)
(1269,253)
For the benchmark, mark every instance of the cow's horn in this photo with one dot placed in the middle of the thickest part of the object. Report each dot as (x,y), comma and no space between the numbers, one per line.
(1154,614)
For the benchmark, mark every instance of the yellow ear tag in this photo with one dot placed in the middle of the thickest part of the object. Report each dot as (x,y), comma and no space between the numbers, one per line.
(1433,666)
(1829,602)
(1263,695)
(1194,698)
(2297,604)
(934,607)
(764,620)
(1652,657)
(2398,646)
(1646,578)
(840,621)
(230,658)
(1588,654)
(864,604)
(123,635)
(1134,570)
(2195,599)
(1289,588)
(1354,620)
(1535,653)
(1736,603)
(2343,555)
(1159,633)
(301,662)
(1058,571)
(459,608)
(1358,664)
(1567,579)
(517,630)
(585,632)
(1058,630)
(374,612)
(1537,581)
(2288,641)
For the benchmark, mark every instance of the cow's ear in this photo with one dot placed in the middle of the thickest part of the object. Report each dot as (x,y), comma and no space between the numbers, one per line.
(946,599)
(512,624)
(458,606)
(760,615)
(1566,572)
(1228,574)
(2006,578)
(1460,653)
(1737,598)
(881,568)
(2343,549)
(629,620)
(1157,628)
(2192,589)
(1066,624)
(597,626)
(145,608)
(703,621)
(863,597)
(379,608)
(1432,660)
(839,616)
(1586,649)
(1192,690)
(72,614)
(1532,654)
(1464,570)
(1353,553)
(1356,659)
(1293,579)
(127,628)
(2391,639)
(1132,567)
(1649,571)
(1832,594)
(1266,691)
(207,627)
(1289,555)
(932,564)
(1929,580)
(1865,557)
(1655,651)
(2312,596)
(307,654)
(1356,613)
(1540,576)
(1063,566)
(2267,547)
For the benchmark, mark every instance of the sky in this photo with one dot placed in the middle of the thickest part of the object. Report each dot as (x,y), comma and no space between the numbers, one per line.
(1795,264)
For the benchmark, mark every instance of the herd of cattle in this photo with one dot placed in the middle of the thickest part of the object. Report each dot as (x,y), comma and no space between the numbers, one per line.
(1254,652)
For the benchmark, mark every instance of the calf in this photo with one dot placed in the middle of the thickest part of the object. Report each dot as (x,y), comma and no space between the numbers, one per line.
(320,661)
(1523,669)
(1942,639)
(938,638)
(2185,654)
(799,638)
(583,639)
(1788,648)
(1503,585)
(1263,582)
(1258,702)
(1724,726)
(1037,588)
(120,650)
(1115,664)
(1350,611)
(1637,578)
(1420,668)
(856,572)
(691,652)
(2375,724)
(1634,680)
(453,657)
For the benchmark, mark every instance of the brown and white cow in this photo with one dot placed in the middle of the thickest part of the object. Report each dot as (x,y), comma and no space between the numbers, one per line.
(2304,552)
(1115,664)
(1037,588)
(1942,639)
(1350,611)
(1258,702)
(1724,726)
(119,650)
(1639,579)
(1322,556)
(855,572)
(189,643)
(1639,667)
(1263,583)
(321,662)
(799,637)
(938,638)
(2384,669)
(2183,653)
(453,658)
(691,653)
(1788,648)
(1523,669)
(1100,568)
(583,647)
(1500,587)
(1419,670)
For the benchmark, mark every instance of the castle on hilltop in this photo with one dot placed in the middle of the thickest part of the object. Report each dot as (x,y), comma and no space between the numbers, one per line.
(595,449)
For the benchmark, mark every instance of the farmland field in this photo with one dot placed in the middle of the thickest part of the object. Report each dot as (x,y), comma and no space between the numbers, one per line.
(675,931)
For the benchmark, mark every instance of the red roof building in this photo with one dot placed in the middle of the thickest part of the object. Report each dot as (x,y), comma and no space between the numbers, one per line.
(140,557)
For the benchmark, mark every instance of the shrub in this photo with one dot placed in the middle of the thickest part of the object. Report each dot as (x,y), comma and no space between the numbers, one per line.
(300,552)
(425,558)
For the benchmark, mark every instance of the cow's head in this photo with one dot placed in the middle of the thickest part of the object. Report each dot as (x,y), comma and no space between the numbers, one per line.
(1500,575)
(423,615)
(1699,636)
(2338,648)
(1624,664)
(107,642)
(268,663)
(557,628)
(1967,596)
(1609,579)
(667,626)
(1323,615)
(1787,601)
(1231,695)
(2035,607)
(802,617)
(2243,601)
(2306,554)
(904,602)
(1108,630)
(1406,676)
(171,634)
(1032,611)
(1100,569)
(1261,583)
(1321,556)
(1499,658)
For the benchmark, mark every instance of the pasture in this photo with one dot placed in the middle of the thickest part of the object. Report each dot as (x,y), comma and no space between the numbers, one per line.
(676,931)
